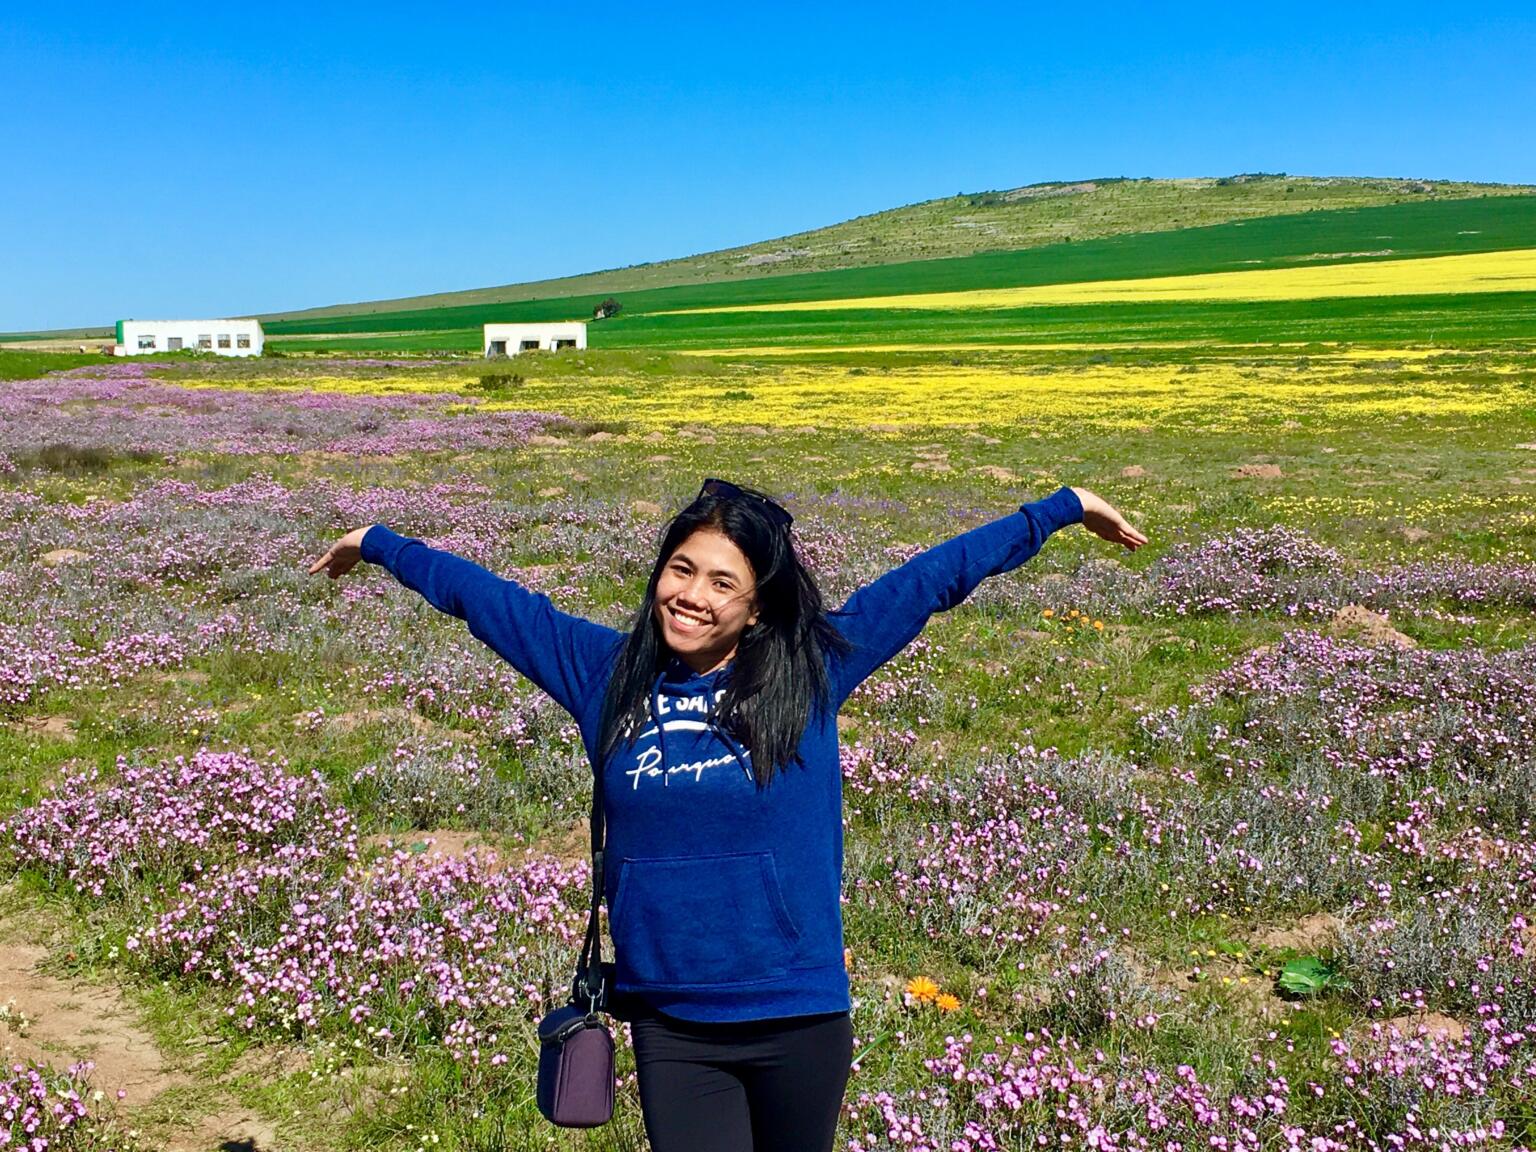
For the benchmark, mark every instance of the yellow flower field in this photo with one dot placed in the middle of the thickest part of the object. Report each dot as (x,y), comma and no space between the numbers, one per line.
(1218,396)
(1513,271)
(1229,389)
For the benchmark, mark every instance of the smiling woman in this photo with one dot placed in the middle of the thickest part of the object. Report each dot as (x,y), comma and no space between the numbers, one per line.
(724,893)
(705,600)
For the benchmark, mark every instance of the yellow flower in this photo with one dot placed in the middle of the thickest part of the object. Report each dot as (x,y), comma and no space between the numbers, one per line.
(922,989)
(1460,273)
(947,1001)
(1048,613)
(1098,625)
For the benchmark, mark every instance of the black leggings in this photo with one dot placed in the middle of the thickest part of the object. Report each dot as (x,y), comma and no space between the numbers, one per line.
(759,1086)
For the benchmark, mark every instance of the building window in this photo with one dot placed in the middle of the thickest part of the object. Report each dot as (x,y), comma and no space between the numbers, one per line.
(173,343)
(528,346)
(498,348)
(205,341)
(146,343)
(223,339)
(559,344)
(242,341)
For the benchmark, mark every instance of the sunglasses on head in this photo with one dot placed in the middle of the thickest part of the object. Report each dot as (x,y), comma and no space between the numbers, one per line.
(725,490)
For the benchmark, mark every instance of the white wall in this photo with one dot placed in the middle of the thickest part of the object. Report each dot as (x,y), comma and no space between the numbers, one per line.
(543,335)
(190,332)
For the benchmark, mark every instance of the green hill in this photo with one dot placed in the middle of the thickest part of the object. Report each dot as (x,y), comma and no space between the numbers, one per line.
(1036,216)
(1390,232)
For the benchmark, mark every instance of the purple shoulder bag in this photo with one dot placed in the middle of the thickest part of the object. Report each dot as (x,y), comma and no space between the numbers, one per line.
(576,1072)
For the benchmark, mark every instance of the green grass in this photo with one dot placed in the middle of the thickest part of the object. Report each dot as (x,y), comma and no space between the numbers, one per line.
(1434,229)
(1466,320)
(17,364)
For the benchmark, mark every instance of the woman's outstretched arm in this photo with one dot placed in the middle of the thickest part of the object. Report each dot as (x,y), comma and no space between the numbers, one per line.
(883,617)
(563,654)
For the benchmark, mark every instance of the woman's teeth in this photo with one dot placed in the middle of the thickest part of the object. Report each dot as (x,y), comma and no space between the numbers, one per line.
(686,620)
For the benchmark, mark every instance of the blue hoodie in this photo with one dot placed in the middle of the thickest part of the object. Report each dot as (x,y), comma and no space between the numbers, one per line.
(723,897)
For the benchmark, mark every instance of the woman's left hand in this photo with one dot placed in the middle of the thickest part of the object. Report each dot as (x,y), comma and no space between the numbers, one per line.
(1100,518)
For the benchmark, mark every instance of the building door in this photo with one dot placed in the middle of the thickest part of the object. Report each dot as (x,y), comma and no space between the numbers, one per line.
(498,348)
(173,343)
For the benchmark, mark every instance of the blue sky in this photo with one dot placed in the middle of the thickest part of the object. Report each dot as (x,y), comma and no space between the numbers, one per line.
(167,159)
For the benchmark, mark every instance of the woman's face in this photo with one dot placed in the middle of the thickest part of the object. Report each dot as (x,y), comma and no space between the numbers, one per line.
(705,599)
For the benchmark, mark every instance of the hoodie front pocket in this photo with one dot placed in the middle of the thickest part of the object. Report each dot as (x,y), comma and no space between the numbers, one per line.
(701,921)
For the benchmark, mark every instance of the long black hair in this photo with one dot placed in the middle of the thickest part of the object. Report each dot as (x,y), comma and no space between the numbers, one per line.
(779,672)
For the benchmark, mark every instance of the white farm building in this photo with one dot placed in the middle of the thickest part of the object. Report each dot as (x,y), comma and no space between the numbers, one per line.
(221,337)
(510,339)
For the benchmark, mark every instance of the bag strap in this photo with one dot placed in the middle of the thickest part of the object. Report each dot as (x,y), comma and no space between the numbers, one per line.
(589,968)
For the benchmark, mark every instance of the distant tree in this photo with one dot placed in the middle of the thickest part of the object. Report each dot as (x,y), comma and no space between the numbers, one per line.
(609,307)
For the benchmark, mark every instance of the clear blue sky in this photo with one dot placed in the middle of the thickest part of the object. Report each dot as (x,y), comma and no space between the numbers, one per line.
(170,160)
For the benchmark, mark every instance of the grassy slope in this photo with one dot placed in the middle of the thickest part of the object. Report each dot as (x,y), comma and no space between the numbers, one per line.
(963,225)
(1408,230)
(22,365)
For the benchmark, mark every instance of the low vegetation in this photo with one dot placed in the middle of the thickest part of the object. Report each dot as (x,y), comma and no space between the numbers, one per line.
(1225,843)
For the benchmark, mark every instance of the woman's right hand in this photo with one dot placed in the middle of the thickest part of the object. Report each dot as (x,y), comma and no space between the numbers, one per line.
(342,556)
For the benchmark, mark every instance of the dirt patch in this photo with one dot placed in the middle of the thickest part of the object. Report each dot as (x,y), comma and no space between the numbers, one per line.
(59,727)
(438,842)
(346,723)
(61,556)
(68,1021)
(61,1021)
(570,844)
(231,1130)
(1306,935)
(1132,472)
(997,472)
(179,676)
(1360,622)
(1258,472)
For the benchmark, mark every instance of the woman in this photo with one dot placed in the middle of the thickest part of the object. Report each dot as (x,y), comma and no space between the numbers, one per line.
(724,891)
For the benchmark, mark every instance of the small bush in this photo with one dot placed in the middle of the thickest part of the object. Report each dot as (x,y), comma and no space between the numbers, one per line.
(499,381)
(73,458)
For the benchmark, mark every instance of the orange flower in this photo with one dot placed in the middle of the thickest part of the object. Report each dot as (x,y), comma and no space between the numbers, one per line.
(1099,625)
(922,989)
(847,957)
(947,1001)
(1048,613)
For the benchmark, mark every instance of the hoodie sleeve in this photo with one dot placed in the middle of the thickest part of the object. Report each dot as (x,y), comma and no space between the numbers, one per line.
(885,616)
(566,656)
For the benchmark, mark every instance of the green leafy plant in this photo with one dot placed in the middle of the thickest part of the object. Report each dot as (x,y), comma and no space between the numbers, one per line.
(1309,976)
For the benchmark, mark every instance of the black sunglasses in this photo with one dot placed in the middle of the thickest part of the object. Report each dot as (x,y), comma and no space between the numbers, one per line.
(725,490)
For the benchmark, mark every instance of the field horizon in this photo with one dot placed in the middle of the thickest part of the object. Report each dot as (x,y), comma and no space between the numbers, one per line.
(1011,220)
